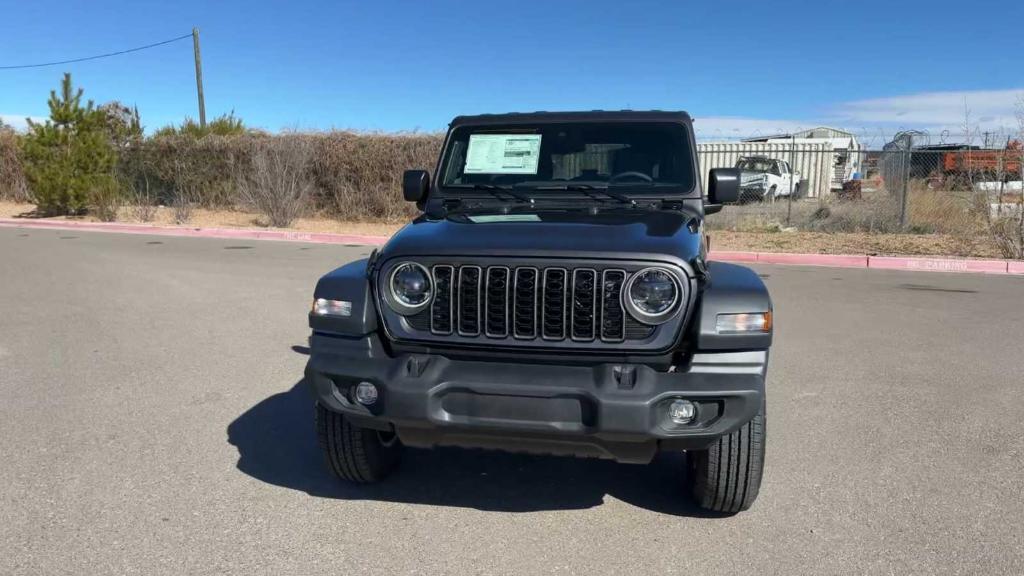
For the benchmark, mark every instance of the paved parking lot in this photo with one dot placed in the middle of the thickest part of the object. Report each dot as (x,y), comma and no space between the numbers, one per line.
(152,421)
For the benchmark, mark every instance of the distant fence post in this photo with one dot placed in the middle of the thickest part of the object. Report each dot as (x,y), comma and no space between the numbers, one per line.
(908,158)
(789,199)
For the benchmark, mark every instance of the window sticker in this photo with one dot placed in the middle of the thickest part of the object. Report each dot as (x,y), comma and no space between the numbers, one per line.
(503,154)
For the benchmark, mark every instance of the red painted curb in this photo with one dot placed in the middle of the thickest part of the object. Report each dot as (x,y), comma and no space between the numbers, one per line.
(938,264)
(232,233)
(830,260)
(732,256)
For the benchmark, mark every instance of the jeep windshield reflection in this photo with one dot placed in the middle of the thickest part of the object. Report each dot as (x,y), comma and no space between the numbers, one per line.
(641,158)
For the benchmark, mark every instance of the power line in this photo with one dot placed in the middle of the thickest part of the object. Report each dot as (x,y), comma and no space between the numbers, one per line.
(98,56)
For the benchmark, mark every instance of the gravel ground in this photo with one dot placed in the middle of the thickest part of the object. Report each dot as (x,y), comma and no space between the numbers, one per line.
(152,421)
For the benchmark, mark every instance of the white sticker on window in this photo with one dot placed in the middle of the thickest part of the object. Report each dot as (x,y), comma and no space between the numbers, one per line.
(503,154)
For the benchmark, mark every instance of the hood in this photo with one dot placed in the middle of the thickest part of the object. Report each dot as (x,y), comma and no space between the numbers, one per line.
(623,234)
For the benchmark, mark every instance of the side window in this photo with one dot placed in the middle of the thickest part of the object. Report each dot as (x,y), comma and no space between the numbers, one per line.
(785,167)
(777,168)
(453,174)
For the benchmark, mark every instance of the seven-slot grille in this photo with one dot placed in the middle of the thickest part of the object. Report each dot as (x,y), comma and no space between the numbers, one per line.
(530,303)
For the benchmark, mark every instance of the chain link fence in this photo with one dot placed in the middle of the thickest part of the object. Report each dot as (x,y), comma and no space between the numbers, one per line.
(906,187)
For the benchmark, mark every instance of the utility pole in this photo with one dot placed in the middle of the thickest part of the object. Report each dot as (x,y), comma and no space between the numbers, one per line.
(199,77)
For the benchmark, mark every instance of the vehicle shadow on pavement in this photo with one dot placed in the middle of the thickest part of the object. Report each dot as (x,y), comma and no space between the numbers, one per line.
(277,444)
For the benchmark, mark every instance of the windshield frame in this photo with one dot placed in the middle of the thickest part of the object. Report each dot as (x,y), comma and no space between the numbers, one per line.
(638,190)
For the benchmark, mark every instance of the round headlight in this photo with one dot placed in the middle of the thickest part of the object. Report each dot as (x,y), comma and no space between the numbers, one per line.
(651,295)
(409,288)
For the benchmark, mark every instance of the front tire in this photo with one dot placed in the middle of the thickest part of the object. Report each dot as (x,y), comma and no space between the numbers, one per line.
(727,476)
(356,454)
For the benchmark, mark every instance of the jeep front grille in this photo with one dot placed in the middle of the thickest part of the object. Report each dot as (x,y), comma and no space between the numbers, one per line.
(529,303)
(537,303)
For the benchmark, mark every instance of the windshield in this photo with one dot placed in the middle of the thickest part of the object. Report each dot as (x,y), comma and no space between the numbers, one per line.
(630,157)
(754,164)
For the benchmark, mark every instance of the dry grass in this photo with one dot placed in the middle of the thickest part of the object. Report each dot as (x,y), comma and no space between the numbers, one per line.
(938,223)
(852,243)
(928,212)
(217,218)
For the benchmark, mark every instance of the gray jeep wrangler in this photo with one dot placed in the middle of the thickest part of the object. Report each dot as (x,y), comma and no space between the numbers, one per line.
(554,297)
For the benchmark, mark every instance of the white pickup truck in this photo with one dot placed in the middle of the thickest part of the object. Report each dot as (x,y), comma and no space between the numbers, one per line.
(764,178)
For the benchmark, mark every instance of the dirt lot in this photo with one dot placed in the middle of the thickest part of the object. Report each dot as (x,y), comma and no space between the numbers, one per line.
(794,242)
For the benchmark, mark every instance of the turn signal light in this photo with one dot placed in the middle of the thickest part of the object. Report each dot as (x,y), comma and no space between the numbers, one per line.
(748,323)
(325,307)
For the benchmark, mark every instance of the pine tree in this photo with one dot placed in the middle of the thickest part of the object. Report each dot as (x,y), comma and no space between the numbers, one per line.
(69,158)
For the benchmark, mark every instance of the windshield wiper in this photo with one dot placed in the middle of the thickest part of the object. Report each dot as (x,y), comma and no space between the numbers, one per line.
(591,191)
(496,191)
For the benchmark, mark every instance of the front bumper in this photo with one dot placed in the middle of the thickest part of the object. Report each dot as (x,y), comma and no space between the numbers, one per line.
(617,411)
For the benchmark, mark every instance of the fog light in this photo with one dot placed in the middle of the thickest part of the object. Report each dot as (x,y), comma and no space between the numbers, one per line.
(682,411)
(366,393)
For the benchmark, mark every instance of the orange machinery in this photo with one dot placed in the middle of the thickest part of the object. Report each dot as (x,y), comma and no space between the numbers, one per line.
(1006,161)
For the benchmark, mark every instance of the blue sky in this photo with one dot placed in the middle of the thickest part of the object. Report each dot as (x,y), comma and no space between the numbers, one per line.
(738,67)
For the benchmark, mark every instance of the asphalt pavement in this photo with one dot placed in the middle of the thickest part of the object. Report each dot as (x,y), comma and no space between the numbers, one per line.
(153,421)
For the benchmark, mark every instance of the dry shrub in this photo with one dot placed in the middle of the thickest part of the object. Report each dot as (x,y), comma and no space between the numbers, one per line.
(185,192)
(354,176)
(277,180)
(182,168)
(144,211)
(876,212)
(943,211)
(1008,234)
(105,199)
(761,216)
(182,204)
(143,205)
(359,176)
(12,178)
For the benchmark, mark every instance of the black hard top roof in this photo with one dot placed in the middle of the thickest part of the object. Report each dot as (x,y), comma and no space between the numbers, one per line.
(590,116)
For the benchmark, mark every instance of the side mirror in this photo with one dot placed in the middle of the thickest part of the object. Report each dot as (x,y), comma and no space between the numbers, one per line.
(415,185)
(724,186)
